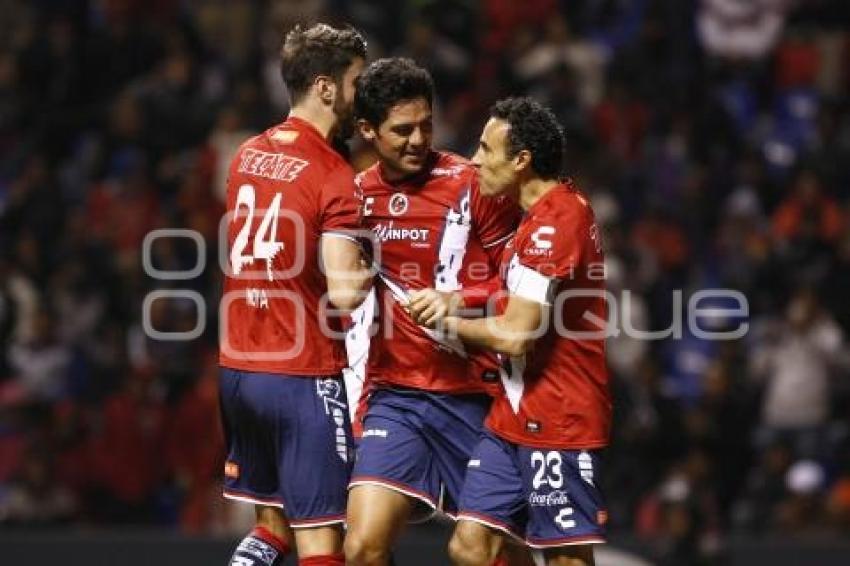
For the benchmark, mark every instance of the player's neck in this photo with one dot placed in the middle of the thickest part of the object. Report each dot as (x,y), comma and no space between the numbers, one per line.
(319,117)
(533,190)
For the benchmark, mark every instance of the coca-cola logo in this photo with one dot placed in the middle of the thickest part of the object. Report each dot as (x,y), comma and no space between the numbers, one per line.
(557,497)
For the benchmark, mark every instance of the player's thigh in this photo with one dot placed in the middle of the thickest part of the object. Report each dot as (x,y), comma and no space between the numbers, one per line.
(453,427)
(393,453)
(316,450)
(377,514)
(251,469)
(493,493)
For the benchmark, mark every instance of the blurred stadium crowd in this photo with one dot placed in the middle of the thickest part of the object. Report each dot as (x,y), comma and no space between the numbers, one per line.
(713,137)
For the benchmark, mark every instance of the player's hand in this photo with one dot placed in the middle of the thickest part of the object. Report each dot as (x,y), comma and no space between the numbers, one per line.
(428,307)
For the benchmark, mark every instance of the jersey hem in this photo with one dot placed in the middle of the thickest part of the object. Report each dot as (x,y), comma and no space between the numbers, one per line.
(566,541)
(488,521)
(300,372)
(245,497)
(381,383)
(317,522)
(523,441)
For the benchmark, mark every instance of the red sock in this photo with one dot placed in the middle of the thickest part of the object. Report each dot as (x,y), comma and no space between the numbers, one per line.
(324,560)
(501,561)
(269,537)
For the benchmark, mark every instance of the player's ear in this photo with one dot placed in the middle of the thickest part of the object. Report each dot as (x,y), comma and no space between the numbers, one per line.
(326,88)
(366,130)
(522,161)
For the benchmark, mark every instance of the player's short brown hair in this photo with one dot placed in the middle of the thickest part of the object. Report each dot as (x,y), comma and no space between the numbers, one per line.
(316,51)
(533,127)
(387,82)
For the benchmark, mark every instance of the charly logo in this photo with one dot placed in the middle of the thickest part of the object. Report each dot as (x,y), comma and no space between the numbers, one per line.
(398,204)
(563,518)
(542,244)
(557,497)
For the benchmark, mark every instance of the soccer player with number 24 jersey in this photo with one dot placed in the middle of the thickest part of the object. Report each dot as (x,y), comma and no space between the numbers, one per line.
(293,258)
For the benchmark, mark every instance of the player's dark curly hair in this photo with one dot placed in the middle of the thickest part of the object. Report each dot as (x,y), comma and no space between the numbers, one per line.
(533,127)
(319,50)
(385,83)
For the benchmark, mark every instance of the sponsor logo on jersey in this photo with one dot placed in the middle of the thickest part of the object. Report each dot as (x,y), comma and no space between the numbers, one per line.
(533,426)
(542,242)
(601,517)
(285,136)
(453,171)
(231,470)
(474,464)
(563,520)
(398,204)
(274,166)
(557,497)
(389,232)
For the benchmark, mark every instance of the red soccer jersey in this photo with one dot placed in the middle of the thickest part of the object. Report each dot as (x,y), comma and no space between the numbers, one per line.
(556,396)
(434,230)
(286,188)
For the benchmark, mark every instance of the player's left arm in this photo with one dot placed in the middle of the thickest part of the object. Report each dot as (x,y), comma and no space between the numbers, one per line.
(545,259)
(494,221)
(343,259)
(512,333)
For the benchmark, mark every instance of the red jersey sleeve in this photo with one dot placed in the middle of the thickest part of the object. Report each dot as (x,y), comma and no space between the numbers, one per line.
(553,245)
(550,248)
(340,202)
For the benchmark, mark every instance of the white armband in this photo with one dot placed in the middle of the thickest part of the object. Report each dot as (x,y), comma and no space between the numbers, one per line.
(530,284)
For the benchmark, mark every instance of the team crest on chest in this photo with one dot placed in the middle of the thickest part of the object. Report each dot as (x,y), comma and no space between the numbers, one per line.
(398,204)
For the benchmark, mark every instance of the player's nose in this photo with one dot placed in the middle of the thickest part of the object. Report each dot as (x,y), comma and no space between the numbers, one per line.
(476,159)
(417,138)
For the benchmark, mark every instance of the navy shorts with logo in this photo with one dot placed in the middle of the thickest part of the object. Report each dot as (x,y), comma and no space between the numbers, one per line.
(419,443)
(547,498)
(289,443)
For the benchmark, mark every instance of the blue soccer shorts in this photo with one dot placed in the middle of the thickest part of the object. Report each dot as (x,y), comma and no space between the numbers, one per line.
(289,444)
(418,443)
(544,498)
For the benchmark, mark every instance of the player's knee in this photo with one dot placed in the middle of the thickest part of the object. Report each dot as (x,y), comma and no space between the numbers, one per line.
(361,550)
(466,550)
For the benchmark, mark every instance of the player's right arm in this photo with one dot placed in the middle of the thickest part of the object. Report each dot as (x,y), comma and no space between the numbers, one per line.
(428,306)
(349,276)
